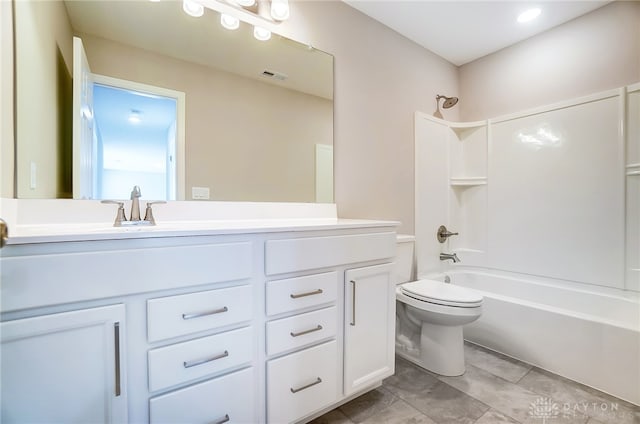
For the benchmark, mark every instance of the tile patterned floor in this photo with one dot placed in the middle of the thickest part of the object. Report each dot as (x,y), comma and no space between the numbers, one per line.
(495,389)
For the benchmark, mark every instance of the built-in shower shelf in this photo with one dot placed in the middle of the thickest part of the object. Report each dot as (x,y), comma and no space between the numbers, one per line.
(468,181)
(464,129)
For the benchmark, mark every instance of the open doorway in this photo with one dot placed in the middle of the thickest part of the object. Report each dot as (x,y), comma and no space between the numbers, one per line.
(136,142)
(125,134)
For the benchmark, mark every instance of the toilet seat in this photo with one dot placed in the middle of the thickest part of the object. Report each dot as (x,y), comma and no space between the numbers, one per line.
(439,293)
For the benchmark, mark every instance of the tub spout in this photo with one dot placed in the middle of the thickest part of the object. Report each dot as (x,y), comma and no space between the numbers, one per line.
(449,256)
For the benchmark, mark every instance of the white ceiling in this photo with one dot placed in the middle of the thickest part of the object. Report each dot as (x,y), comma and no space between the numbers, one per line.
(462,31)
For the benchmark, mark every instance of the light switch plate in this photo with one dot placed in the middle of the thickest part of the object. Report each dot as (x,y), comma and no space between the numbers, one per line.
(200,193)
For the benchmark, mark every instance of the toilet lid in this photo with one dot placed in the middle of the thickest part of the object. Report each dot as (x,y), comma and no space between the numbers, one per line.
(442,293)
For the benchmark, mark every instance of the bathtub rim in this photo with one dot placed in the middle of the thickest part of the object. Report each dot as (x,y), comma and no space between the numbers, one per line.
(620,295)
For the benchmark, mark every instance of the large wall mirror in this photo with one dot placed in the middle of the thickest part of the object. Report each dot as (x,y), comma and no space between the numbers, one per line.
(178,105)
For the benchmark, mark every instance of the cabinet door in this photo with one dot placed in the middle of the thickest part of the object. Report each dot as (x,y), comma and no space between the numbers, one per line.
(369,327)
(66,367)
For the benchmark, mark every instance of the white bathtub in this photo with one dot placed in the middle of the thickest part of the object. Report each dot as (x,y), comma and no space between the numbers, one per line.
(590,335)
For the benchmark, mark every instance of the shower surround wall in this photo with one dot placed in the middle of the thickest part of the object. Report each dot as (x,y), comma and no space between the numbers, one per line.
(551,194)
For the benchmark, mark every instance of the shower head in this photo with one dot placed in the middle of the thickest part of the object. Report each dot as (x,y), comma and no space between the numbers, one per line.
(448,101)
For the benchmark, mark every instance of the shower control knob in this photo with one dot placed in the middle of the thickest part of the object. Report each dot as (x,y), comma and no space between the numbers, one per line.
(444,234)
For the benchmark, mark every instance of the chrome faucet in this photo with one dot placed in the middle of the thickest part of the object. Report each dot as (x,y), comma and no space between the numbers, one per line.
(121,219)
(449,256)
(135,204)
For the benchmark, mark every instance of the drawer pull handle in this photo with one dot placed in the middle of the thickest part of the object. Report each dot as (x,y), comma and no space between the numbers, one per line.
(311,293)
(205,313)
(318,381)
(116,341)
(189,364)
(353,303)
(221,420)
(302,333)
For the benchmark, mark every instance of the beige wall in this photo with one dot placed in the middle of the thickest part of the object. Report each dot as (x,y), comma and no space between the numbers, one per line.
(381,79)
(43,90)
(245,139)
(595,52)
(6,100)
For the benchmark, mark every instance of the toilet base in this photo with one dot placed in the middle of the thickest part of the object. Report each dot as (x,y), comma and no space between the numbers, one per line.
(430,334)
(442,349)
(433,356)
(436,348)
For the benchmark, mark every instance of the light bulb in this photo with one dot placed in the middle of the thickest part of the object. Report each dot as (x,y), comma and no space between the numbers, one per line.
(246,3)
(192,8)
(229,22)
(280,9)
(261,34)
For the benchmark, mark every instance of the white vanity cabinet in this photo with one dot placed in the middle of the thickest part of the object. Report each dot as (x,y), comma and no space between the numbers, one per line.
(243,326)
(226,398)
(66,367)
(304,382)
(369,326)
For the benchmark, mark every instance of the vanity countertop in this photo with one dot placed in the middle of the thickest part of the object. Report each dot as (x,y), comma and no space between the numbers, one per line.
(33,221)
(52,233)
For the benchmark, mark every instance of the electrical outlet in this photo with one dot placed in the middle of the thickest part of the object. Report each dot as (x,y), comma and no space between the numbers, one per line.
(200,193)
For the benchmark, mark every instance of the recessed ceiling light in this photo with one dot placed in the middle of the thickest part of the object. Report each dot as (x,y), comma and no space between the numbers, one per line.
(134,116)
(529,15)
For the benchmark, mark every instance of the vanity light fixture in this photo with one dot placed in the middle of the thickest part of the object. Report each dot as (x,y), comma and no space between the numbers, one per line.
(192,8)
(229,22)
(529,15)
(280,10)
(261,34)
(234,11)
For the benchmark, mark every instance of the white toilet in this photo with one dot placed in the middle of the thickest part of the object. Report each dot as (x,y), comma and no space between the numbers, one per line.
(430,316)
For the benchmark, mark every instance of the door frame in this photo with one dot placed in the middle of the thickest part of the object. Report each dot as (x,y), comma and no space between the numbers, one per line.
(180,98)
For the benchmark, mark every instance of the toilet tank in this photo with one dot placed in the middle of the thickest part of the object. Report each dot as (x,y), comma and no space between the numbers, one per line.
(404,262)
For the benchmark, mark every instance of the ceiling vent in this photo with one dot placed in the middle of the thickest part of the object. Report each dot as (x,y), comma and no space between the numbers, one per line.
(274,75)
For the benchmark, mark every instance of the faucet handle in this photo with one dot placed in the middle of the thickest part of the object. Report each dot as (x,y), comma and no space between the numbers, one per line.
(148,214)
(120,218)
(444,234)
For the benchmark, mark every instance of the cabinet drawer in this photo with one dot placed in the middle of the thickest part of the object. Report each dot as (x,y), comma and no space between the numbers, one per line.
(190,360)
(225,399)
(300,330)
(302,383)
(300,254)
(301,292)
(34,281)
(189,313)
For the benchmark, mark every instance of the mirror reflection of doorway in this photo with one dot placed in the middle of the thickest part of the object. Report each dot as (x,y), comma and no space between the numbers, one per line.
(136,143)
(125,134)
